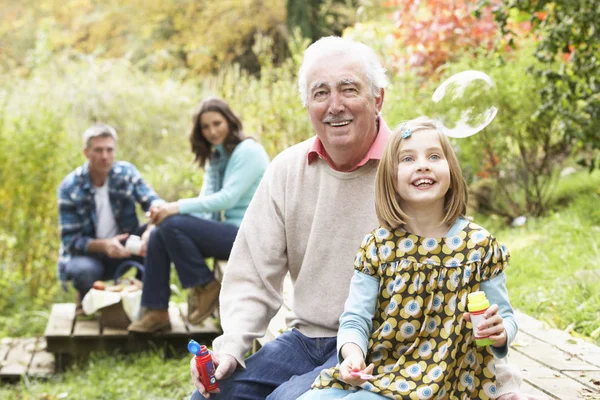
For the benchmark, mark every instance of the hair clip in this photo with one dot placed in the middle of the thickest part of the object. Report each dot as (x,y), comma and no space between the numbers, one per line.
(404,131)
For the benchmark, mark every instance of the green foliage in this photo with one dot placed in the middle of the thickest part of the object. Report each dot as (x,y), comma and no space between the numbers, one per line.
(569,34)
(188,36)
(520,152)
(513,162)
(317,18)
(28,213)
(109,376)
(269,105)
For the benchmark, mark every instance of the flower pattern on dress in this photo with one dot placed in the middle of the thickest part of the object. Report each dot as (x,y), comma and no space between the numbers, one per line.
(421,345)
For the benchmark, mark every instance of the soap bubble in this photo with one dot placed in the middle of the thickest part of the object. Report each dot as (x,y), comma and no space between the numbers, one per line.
(464,103)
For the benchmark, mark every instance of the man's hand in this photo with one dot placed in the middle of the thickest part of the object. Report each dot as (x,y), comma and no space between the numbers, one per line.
(225,366)
(354,361)
(161,211)
(492,326)
(113,247)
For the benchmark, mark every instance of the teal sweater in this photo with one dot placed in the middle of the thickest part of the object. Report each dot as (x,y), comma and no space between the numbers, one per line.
(243,173)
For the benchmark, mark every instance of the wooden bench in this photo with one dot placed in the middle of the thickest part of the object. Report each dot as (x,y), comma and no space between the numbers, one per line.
(554,364)
(67,335)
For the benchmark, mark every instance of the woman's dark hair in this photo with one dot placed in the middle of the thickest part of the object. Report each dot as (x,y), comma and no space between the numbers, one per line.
(202,147)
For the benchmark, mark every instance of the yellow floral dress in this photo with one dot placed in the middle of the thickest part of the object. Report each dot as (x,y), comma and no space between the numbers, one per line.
(420,344)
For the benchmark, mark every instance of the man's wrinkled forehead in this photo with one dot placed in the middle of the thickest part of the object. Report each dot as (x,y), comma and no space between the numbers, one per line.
(335,71)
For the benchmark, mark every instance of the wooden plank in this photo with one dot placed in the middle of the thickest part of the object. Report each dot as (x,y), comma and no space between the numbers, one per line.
(550,355)
(86,328)
(43,363)
(588,378)
(18,358)
(177,324)
(563,340)
(5,345)
(551,382)
(61,319)
(113,332)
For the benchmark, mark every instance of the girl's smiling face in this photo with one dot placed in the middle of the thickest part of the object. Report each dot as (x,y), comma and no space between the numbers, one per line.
(423,176)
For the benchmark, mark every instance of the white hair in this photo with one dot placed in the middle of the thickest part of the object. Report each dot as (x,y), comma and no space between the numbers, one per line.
(334,45)
(98,130)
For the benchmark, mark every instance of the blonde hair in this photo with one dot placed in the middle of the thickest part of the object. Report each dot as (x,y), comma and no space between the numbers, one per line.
(387,200)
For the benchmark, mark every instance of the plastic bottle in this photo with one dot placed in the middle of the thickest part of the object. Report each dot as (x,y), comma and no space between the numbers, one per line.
(477,303)
(205,365)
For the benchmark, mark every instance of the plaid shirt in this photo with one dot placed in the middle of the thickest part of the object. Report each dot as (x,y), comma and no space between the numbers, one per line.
(77,207)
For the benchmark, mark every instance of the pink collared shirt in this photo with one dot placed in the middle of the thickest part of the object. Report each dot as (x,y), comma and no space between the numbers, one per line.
(375,151)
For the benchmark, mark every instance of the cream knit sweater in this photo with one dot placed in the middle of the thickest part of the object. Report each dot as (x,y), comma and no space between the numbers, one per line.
(305,219)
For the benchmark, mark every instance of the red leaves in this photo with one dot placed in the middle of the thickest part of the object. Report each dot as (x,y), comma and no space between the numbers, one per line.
(436,30)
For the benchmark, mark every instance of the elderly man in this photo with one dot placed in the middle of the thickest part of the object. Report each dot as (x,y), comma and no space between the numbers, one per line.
(96,206)
(307,218)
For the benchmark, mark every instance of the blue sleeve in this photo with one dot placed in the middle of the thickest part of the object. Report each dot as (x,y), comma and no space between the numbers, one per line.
(496,293)
(143,193)
(70,222)
(356,321)
(246,165)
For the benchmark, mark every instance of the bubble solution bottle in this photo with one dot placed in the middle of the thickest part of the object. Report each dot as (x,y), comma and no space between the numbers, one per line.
(477,304)
(204,364)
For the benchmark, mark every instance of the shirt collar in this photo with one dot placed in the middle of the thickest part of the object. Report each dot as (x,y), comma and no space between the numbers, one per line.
(375,152)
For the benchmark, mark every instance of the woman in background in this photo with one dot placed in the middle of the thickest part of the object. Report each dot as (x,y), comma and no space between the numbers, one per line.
(190,230)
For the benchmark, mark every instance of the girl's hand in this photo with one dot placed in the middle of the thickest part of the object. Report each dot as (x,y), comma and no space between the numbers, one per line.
(160,212)
(492,326)
(353,361)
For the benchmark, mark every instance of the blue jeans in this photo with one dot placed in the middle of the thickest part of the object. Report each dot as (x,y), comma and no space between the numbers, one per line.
(282,370)
(83,271)
(186,241)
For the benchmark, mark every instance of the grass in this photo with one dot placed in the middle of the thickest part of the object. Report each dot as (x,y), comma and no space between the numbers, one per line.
(108,376)
(554,273)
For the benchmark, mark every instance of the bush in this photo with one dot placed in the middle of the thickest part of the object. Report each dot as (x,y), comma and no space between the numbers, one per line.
(512,164)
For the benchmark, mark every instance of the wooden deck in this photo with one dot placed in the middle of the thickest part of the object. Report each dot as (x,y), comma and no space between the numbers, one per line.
(554,364)
(23,358)
(68,334)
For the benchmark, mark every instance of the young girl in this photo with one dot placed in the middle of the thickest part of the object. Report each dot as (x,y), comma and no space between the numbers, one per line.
(405,332)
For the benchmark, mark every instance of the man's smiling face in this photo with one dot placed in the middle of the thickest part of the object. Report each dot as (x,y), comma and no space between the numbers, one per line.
(340,104)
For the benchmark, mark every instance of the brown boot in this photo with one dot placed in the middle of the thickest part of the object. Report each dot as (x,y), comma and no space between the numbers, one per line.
(206,299)
(152,321)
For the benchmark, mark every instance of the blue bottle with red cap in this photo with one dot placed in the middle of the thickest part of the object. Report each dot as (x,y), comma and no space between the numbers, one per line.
(205,365)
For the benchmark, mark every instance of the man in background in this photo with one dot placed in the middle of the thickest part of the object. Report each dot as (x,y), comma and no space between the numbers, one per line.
(97,212)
